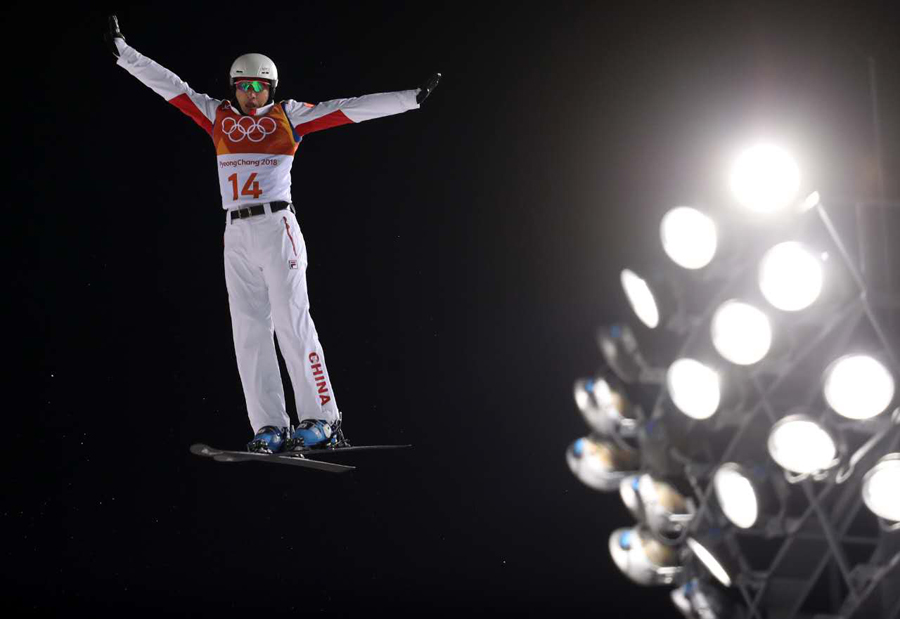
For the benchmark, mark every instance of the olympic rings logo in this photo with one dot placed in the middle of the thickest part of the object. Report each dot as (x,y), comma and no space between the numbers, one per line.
(249,127)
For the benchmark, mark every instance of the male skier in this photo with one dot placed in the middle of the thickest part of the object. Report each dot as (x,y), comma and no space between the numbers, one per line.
(265,254)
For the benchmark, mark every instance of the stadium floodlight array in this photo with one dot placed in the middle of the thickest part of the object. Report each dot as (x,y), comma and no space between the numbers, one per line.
(748,457)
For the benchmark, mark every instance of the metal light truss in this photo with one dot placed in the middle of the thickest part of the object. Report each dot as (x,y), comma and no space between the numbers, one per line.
(836,559)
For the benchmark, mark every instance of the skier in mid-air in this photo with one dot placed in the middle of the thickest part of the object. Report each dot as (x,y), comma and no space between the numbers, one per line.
(265,254)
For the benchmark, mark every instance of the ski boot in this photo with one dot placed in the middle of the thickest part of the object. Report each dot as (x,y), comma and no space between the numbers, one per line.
(315,434)
(268,440)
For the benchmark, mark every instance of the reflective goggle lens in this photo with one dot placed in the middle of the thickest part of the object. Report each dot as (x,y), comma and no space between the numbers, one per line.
(254,85)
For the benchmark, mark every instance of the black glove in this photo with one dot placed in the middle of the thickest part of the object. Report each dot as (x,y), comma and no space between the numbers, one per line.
(426,87)
(112,34)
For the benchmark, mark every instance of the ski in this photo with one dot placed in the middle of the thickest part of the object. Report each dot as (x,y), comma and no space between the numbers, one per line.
(301,459)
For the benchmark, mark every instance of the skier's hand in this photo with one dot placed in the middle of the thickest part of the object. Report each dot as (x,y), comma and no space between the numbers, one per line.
(426,88)
(112,34)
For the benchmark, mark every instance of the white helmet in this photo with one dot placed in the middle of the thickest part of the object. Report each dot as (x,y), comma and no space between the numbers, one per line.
(254,66)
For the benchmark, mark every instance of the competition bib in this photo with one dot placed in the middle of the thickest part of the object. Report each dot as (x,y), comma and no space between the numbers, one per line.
(254,155)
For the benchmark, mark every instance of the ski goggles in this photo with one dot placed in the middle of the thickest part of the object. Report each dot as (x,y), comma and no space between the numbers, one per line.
(254,85)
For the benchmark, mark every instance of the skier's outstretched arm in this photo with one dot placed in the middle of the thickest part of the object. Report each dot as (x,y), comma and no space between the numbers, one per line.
(201,108)
(306,117)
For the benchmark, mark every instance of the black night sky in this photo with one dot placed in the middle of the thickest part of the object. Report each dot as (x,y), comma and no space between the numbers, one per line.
(461,257)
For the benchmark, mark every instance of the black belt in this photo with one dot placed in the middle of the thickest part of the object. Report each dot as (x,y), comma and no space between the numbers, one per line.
(257,209)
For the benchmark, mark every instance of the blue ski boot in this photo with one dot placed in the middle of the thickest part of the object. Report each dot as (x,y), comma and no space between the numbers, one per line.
(315,434)
(268,440)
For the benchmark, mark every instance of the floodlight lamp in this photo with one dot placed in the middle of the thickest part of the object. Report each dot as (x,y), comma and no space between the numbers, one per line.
(688,237)
(643,559)
(605,407)
(628,490)
(790,277)
(881,488)
(741,333)
(802,446)
(858,387)
(765,178)
(737,495)
(667,511)
(713,554)
(657,504)
(601,464)
(641,298)
(694,388)
(619,348)
(696,599)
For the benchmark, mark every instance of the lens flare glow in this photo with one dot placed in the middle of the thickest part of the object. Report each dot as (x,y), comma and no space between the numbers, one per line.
(741,333)
(641,298)
(694,388)
(790,277)
(800,445)
(880,488)
(858,387)
(765,178)
(736,496)
(688,237)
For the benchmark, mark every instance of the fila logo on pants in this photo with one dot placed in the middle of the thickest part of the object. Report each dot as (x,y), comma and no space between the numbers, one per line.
(319,377)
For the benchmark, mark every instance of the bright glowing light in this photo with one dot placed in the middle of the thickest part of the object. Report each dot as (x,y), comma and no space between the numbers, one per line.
(711,563)
(694,388)
(689,237)
(790,277)
(641,298)
(858,387)
(800,445)
(741,333)
(880,488)
(765,178)
(736,496)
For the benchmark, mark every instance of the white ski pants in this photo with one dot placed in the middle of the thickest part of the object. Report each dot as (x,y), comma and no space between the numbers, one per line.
(265,273)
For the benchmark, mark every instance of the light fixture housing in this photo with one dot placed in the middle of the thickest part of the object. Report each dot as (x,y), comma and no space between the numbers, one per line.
(803,446)
(642,558)
(881,488)
(665,510)
(689,237)
(620,351)
(606,406)
(601,464)
(696,599)
(858,386)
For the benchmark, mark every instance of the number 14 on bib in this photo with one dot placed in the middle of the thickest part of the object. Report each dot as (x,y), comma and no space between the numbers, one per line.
(250,188)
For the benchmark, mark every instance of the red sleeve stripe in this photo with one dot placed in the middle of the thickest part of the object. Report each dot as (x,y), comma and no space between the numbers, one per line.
(183,102)
(334,119)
